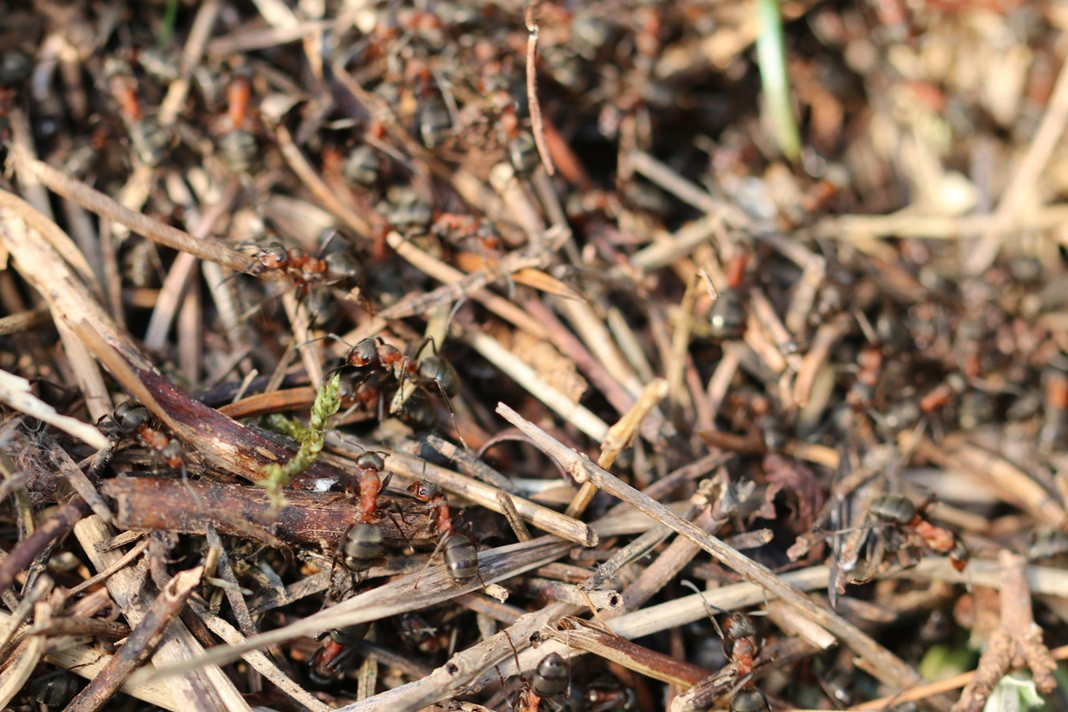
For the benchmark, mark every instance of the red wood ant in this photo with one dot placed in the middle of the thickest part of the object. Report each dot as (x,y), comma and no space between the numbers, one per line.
(149,140)
(369,468)
(371,354)
(238,145)
(461,556)
(334,265)
(336,650)
(362,543)
(741,646)
(418,634)
(727,316)
(457,227)
(302,269)
(602,697)
(900,511)
(133,417)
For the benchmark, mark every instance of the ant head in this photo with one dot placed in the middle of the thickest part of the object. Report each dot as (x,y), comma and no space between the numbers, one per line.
(424,491)
(172,452)
(738,625)
(370,461)
(274,254)
(364,353)
(131,415)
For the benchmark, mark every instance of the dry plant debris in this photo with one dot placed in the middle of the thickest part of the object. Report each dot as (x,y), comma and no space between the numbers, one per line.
(689,355)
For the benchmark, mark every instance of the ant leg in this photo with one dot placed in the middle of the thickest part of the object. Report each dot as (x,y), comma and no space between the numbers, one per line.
(437,548)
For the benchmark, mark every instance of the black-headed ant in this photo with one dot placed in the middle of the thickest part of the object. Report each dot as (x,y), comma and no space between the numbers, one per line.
(238,145)
(727,317)
(461,556)
(332,656)
(362,543)
(742,647)
(133,418)
(900,511)
(149,140)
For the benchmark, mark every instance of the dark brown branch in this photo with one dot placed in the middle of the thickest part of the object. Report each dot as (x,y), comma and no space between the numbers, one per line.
(309,518)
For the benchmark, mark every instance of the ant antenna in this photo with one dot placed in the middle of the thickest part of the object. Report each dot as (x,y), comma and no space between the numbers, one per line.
(708,606)
(333,336)
(456,308)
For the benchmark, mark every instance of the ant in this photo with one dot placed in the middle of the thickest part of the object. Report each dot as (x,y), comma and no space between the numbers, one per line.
(417,633)
(461,556)
(372,353)
(900,511)
(551,679)
(302,269)
(459,225)
(132,417)
(150,141)
(336,650)
(727,317)
(362,543)
(742,647)
(56,689)
(434,498)
(369,481)
(602,697)
(238,145)
(334,265)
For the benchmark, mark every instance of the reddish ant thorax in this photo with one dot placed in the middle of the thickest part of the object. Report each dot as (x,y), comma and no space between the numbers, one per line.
(124,89)
(238,94)
(736,270)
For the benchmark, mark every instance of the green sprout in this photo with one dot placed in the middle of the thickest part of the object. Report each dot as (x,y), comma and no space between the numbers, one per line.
(166,30)
(311,437)
(771,57)
(1013,693)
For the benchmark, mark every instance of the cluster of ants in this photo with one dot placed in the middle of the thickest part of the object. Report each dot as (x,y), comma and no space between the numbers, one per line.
(366,365)
(362,545)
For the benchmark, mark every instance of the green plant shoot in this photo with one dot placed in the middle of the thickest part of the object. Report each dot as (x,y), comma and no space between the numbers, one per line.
(771,57)
(311,439)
